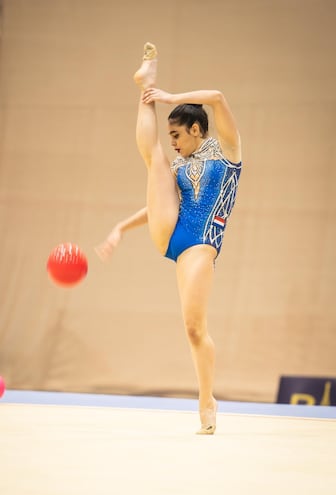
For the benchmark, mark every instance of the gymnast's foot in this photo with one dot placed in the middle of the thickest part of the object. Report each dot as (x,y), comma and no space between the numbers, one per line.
(208,420)
(145,77)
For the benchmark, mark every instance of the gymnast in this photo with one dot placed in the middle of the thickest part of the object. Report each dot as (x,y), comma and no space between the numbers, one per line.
(188,205)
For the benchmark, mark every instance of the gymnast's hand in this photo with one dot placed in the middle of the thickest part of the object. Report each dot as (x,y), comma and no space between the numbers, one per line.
(156,94)
(105,249)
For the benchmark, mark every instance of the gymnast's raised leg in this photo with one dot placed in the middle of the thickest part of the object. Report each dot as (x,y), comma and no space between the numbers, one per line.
(162,196)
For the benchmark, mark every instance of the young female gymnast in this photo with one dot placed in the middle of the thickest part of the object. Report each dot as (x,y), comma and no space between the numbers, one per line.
(188,204)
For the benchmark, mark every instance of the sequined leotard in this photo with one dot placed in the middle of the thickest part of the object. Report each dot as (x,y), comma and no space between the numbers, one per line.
(207,184)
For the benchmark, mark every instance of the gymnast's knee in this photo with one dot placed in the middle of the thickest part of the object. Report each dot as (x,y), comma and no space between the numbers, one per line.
(195,331)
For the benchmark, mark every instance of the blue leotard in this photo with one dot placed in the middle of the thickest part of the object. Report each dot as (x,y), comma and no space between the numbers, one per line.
(207,184)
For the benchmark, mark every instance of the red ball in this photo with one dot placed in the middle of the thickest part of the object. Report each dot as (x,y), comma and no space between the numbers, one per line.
(67,265)
(2,386)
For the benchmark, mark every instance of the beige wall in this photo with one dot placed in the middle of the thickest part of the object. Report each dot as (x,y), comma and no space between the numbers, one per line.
(70,168)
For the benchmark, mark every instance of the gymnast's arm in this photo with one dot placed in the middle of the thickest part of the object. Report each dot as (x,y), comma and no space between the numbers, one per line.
(226,127)
(105,249)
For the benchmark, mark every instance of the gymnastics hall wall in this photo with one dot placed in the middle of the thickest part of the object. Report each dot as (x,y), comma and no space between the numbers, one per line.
(70,169)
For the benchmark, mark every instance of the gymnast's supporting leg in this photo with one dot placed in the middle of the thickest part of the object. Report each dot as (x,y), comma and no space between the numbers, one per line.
(162,196)
(195,270)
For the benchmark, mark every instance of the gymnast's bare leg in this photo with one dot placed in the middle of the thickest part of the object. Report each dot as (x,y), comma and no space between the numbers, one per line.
(162,196)
(195,272)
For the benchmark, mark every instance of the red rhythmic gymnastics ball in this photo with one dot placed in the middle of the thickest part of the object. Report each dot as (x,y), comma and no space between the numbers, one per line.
(67,265)
(2,386)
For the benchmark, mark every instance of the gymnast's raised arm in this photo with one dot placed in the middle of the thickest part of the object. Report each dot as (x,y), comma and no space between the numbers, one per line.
(226,127)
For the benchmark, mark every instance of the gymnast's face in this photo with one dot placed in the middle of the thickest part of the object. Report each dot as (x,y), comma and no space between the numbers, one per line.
(185,141)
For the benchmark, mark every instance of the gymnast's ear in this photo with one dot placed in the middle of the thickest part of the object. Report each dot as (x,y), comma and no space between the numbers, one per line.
(195,129)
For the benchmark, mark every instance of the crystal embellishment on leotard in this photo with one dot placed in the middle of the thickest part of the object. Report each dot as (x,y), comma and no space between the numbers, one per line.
(194,172)
(214,229)
(195,163)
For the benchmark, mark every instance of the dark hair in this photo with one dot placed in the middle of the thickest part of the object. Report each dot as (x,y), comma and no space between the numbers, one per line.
(187,114)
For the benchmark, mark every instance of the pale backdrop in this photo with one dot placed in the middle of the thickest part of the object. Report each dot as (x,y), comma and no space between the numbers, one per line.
(70,169)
